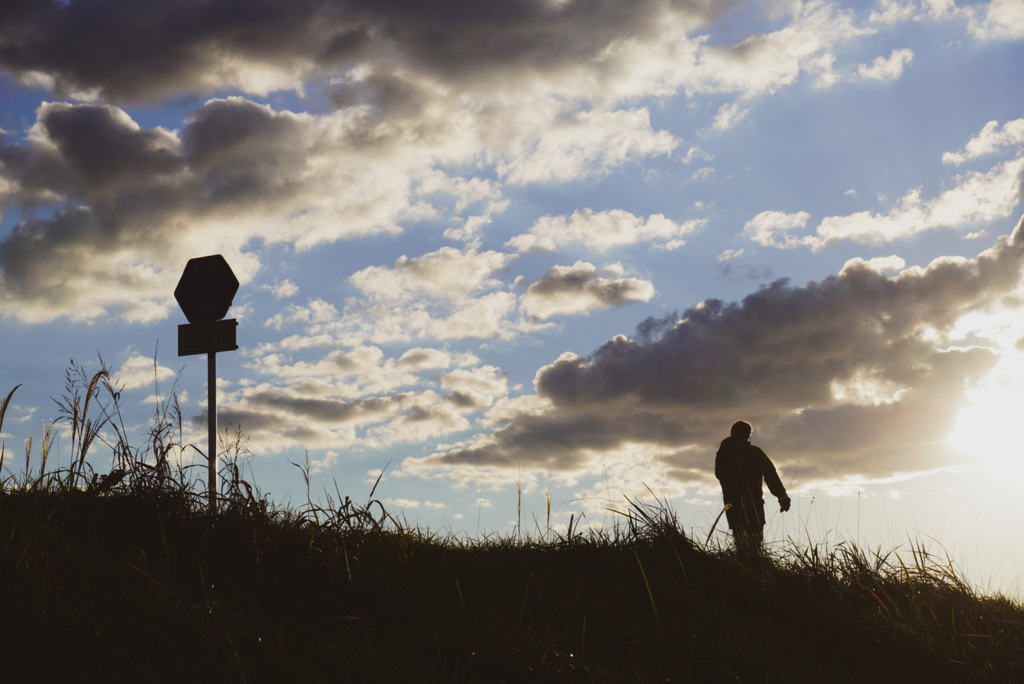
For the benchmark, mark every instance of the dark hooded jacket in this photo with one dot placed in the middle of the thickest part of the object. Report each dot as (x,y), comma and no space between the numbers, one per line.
(741,467)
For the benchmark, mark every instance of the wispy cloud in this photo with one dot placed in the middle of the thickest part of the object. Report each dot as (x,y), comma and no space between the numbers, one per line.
(975,197)
(992,138)
(603,230)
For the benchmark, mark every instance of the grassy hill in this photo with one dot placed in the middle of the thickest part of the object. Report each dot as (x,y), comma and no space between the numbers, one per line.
(145,585)
(127,577)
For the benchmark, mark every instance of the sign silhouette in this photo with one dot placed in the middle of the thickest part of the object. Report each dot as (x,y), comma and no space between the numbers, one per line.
(206,289)
(207,337)
(205,292)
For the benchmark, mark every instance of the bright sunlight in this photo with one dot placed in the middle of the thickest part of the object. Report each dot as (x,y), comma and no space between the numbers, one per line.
(986,428)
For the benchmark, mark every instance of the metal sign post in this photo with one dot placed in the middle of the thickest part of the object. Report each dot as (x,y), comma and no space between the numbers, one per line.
(205,292)
(211,440)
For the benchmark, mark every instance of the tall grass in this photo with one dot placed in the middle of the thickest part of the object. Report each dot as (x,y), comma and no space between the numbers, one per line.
(126,576)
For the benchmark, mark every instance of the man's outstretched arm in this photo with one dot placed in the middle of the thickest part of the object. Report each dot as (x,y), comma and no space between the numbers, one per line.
(775,486)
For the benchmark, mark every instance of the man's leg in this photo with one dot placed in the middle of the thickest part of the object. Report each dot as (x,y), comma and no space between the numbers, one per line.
(745,535)
(748,544)
(737,521)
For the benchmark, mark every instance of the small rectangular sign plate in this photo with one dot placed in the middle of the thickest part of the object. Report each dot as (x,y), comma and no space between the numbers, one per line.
(207,337)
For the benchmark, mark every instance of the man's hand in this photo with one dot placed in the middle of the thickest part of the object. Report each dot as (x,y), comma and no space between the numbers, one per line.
(784,503)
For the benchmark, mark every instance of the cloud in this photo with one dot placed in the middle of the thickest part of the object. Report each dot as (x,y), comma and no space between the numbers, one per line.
(975,197)
(877,264)
(380,56)
(576,289)
(381,403)
(283,289)
(451,294)
(356,372)
(447,273)
(893,12)
(97,147)
(532,92)
(237,171)
(119,228)
(855,374)
(466,191)
(771,228)
(487,316)
(412,503)
(993,20)
(602,231)
(359,397)
(277,44)
(475,388)
(886,68)
(764,63)
(283,417)
(729,115)
(989,140)
(315,313)
(140,371)
(729,267)
(424,416)
(421,359)
(447,294)
(586,143)
(998,20)
(322,464)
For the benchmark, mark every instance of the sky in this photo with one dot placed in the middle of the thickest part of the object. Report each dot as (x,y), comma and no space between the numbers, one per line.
(527,260)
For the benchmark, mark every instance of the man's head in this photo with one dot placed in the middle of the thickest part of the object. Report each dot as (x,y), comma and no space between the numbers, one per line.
(741,429)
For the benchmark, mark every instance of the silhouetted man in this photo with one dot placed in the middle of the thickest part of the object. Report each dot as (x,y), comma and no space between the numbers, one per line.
(741,467)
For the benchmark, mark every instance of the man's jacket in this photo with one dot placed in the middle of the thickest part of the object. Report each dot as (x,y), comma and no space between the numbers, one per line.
(740,467)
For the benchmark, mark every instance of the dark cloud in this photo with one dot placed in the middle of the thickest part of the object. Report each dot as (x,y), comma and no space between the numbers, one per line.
(59,235)
(274,417)
(89,179)
(582,286)
(91,182)
(563,441)
(561,280)
(132,50)
(467,400)
(37,173)
(651,328)
(92,185)
(325,411)
(108,183)
(253,422)
(390,95)
(903,436)
(782,358)
(87,150)
(231,150)
(277,417)
(423,358)
(104,146)
(237,132)
(144,50)
(783,346)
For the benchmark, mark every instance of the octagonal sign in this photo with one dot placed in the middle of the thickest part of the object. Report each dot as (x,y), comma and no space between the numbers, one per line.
(206,289)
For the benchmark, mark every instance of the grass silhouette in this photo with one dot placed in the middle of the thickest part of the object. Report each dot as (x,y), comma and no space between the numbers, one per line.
(127,577)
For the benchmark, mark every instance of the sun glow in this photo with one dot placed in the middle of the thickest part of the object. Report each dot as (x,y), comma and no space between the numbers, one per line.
(986,428)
